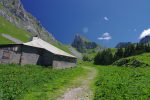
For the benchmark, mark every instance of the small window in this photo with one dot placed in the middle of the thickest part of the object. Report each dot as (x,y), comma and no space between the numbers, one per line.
(6,55)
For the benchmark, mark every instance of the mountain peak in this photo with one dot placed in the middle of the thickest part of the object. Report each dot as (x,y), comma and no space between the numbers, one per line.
(146,39)
(82,44)
(78,36)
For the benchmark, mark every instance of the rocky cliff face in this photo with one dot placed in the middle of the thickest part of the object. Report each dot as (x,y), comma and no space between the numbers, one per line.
(14,12)
(82,44)
(123,44)
(146,39)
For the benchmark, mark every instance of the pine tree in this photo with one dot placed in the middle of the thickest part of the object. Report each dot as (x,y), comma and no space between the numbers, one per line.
(104,58)
(119,54)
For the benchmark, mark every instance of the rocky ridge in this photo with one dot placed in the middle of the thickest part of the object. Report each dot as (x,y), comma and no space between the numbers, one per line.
(146,39)
(13,11)
(82,44)
(123,44)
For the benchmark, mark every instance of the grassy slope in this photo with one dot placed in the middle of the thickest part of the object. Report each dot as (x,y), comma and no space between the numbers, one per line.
(62,46)
(145,57)
(8,28)
(135,61)
(122,83)
(91,53)
(34,82)
(4,40)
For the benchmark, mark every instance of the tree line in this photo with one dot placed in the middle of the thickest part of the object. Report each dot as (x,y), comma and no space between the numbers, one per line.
(106,57)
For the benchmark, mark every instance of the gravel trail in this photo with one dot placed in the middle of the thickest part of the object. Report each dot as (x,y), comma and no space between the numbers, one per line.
(82,92)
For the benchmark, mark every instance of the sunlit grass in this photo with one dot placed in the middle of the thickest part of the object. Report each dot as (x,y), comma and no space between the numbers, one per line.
(122,83)
(34,82)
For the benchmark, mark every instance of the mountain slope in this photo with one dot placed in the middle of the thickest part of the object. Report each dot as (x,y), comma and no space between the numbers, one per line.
(14,12)
(8,28)
(134,61)
(18,23)
(85,47)
(146,39)
(123,44)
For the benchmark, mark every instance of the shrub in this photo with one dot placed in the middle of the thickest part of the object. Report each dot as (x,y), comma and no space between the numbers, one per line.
(86,58)
(130,62)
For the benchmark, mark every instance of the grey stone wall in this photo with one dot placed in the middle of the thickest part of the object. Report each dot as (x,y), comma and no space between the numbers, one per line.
(19,54)
(63,64)
(9,55)
(30,55)
(29,58)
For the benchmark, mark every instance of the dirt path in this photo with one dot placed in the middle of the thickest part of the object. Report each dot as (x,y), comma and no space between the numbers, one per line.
(12,38)
(83,91)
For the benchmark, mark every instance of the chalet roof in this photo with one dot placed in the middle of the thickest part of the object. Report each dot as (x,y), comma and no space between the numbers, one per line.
(39,43)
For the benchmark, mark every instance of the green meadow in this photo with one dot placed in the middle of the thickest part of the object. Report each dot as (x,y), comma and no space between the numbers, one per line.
(122,83)
(34,82)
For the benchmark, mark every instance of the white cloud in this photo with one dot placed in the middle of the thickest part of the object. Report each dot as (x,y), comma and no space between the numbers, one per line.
(145,33)
(106,18)
(85,30)
(105,36)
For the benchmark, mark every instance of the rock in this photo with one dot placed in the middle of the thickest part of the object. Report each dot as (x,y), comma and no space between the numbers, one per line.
(14,12)
(146,39)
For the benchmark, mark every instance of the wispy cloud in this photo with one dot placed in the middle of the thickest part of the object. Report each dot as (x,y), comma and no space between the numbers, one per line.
(105,36)
(106,18)
(145,33)
(85,30)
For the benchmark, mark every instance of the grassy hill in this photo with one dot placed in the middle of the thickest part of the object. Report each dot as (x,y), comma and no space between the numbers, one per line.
(122,83)
(134,61)
(145,58)
(3,40)
(8,28)
(126,79)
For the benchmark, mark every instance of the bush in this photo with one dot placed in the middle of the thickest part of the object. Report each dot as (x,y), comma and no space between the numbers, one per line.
(86,58)
(121,62)
(130,62)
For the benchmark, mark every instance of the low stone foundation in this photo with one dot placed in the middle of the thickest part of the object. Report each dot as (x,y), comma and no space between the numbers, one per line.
(63,64)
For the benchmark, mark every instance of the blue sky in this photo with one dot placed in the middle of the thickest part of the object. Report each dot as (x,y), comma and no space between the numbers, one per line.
(105,22)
